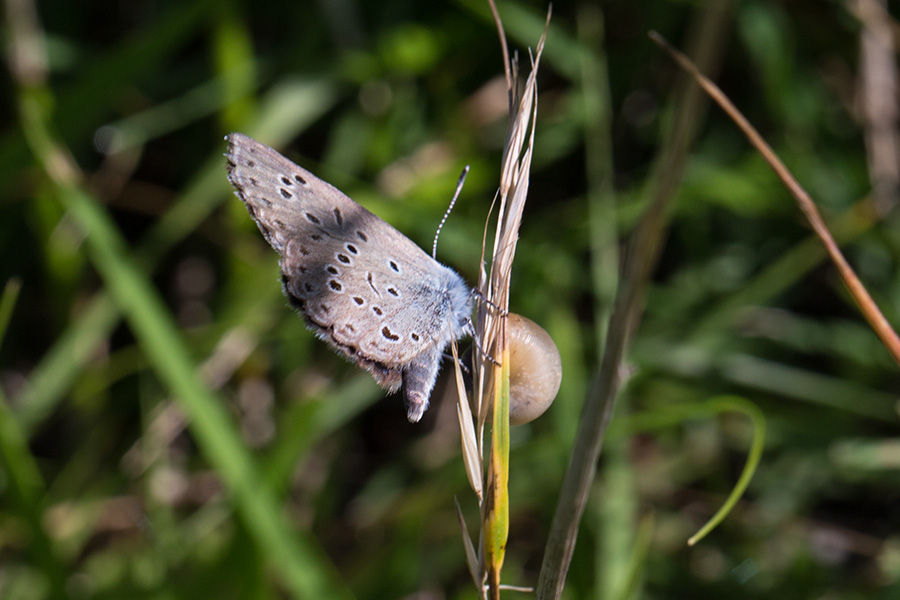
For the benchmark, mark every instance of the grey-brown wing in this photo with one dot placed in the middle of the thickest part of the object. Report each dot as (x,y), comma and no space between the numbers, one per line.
(365,287)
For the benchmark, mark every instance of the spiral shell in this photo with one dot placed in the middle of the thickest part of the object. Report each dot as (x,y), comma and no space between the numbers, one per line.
(535,370)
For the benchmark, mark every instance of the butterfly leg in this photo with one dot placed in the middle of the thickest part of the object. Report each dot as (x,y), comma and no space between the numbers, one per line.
(470,331)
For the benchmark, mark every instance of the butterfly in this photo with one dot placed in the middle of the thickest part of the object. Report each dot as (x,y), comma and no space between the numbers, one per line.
(361,285)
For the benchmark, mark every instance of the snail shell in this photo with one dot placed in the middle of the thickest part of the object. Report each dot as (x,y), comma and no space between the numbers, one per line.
(535,370)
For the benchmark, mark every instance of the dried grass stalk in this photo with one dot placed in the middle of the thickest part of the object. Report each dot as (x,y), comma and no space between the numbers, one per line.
(490,374)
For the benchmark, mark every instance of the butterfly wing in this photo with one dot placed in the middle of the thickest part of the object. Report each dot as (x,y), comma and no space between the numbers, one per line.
(362,285)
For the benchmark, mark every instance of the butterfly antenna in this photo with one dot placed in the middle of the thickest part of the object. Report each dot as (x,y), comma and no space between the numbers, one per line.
(459,186)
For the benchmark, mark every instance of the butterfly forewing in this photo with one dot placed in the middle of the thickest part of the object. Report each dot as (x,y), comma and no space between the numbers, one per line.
(361,284)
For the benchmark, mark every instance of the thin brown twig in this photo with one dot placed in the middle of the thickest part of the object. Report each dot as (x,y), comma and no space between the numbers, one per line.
(857,290)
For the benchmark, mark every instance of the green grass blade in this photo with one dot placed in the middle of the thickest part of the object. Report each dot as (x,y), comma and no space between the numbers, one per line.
(669,416)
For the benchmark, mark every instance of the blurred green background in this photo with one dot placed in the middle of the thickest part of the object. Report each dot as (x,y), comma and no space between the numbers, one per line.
(169,429)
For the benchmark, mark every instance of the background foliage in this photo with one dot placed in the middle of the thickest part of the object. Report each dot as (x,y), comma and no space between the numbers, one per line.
(122,475)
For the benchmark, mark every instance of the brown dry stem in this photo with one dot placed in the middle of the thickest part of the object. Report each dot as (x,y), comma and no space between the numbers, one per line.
(489,400)
(857,290)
